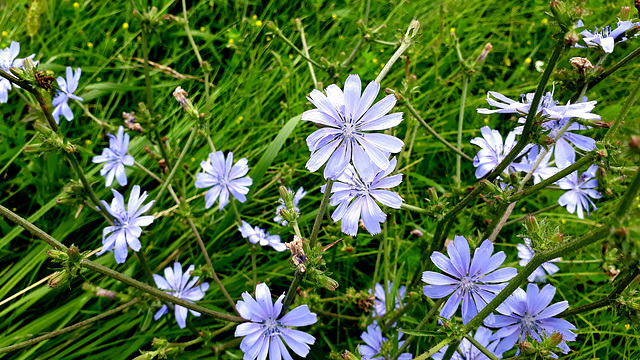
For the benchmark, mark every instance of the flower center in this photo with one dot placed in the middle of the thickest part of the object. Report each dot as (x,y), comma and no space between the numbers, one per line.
(466,283)
(602,32)
(122,217)
(271,326)
(348,129)
(528,320)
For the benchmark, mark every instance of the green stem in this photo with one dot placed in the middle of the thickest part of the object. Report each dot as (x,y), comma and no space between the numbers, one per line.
(627,201)
(353,53)
(633,97)
(450,146)
(422,324)
(520,220)
(414,208)
(435,349)
(465,86)
(404,45)
(184,151)
(386,259)
(279,33)
(626,281)
(254,265)
(87,187)
(291,293)
(482,349)
(321,210)
(67,329)
(305,49)
(453,346)
(188,31)
(147,77)
(615,67)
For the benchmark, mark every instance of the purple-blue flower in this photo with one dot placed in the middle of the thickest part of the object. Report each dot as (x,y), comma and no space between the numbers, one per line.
(267,332)
(580,191)
(8,59)
(564,153)
(543,171)
(296,199)
(67,88)
(257,235)
(467,351)
(548,107)
(530,313)
(475,281)
(356,198)
(525,253)
(115,158)
(177,284)
(346,119)
(380,302)
(223,176)
(374,340)
(604,38)
(127,225)
(492,150)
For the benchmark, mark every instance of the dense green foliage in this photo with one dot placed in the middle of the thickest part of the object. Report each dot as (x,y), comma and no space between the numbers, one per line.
(258,92)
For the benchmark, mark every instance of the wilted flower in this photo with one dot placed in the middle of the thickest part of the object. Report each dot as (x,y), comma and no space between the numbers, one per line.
(472,281)
(492,150)
(296,199)
(223,177)
(267,332)
(580,191)
(526,253)
(581,64)
(8,59)
(530,313)
(345,118)
(128,223)
(380,302)
(177,284)
(467,351)
(257,235)
(115,158)
(374,340)
(355,196)
(604,38)
(67,88)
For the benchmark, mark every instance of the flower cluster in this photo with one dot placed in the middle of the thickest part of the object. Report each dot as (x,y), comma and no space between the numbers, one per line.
(9,59)
(296,199)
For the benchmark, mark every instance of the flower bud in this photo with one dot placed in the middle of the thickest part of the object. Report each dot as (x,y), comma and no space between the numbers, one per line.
(413,29)
(57,255)
(59,278)
(571,37)
(483,55)
(625,13)
(347,355)
(555,339)
(531,224)
(433,194)
(181,97)
(634,143)
(527,347)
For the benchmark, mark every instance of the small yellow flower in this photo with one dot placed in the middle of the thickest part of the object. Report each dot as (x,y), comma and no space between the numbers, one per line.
(258,23)
(114,40)
(340,37)
(486,120)
(524,209)
(507,62)
(452,30)
(90,45)
(240,118)
(125,26)
(254,17)
(527,61)
(76,5)
(382,64)
(381,50)
(545,21)
(334,16)
(100,136)
(88,142)
(290,56)
(638,198)
(230,41)
(98,79)
(627,326)
(211,3)
(528,42)
(193,159)
(5,34)
(563,221)
(268,38)
(375,61)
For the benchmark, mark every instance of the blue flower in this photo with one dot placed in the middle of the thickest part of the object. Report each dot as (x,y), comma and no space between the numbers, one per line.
(128,223)
(530,313)
(8,59)
(296,199)
(67,88)
(177,284)
(345,119)
(223,177)
(564,154)
(373,339)
(543,171)
(355,196)
(526,253)
(580,191)
(267,332)
(492,150)
(605,38)
(472,281)
(257,235)
(380,302)
(467,351)
(115,157)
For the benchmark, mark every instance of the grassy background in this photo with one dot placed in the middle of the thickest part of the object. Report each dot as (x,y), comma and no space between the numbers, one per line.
(260,84)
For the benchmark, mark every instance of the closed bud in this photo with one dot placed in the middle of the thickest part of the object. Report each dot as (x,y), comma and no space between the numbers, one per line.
(347,355)
(326,282)
(527,347)
(414,28)
(625,13)
(57,255)
(531,224)
(557,238)
(433,194)
(483,55)
(555,339)
(28,65)
(59,278)
(634,143)
(571,37)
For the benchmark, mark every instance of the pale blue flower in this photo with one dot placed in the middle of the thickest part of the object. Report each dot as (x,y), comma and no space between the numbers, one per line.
(177,284)
(474,282)
(543,171)
(9,59)
(374,340)
(346,119)
(356,198)
(267,331)
(380,302)
(526,253)
(296,199)
(467,351)
(223,176)
(115,158)
(605,38)
(67,88)
(127,225)
(580,191)
(530,313)
(259,236)
(492,150)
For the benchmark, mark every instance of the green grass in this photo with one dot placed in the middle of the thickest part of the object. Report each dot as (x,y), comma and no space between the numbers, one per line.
(259,92)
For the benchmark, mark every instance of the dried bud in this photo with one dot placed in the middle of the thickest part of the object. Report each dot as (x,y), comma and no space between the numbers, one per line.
(483,55)
(181,97)
(130,122)
(581,64)
(106,293)
(634,143)
(571,37)
(413,29)
(417,233)
(622,232)
(297,253)
(625,13)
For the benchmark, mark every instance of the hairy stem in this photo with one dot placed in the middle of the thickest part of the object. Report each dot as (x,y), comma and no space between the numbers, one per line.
(422,324)
(305,49)
(321,210)
(615,67)
(633,97)
(291,293)
(44,105)
(167,181)
(482,349)
(465,86)
(87,187)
